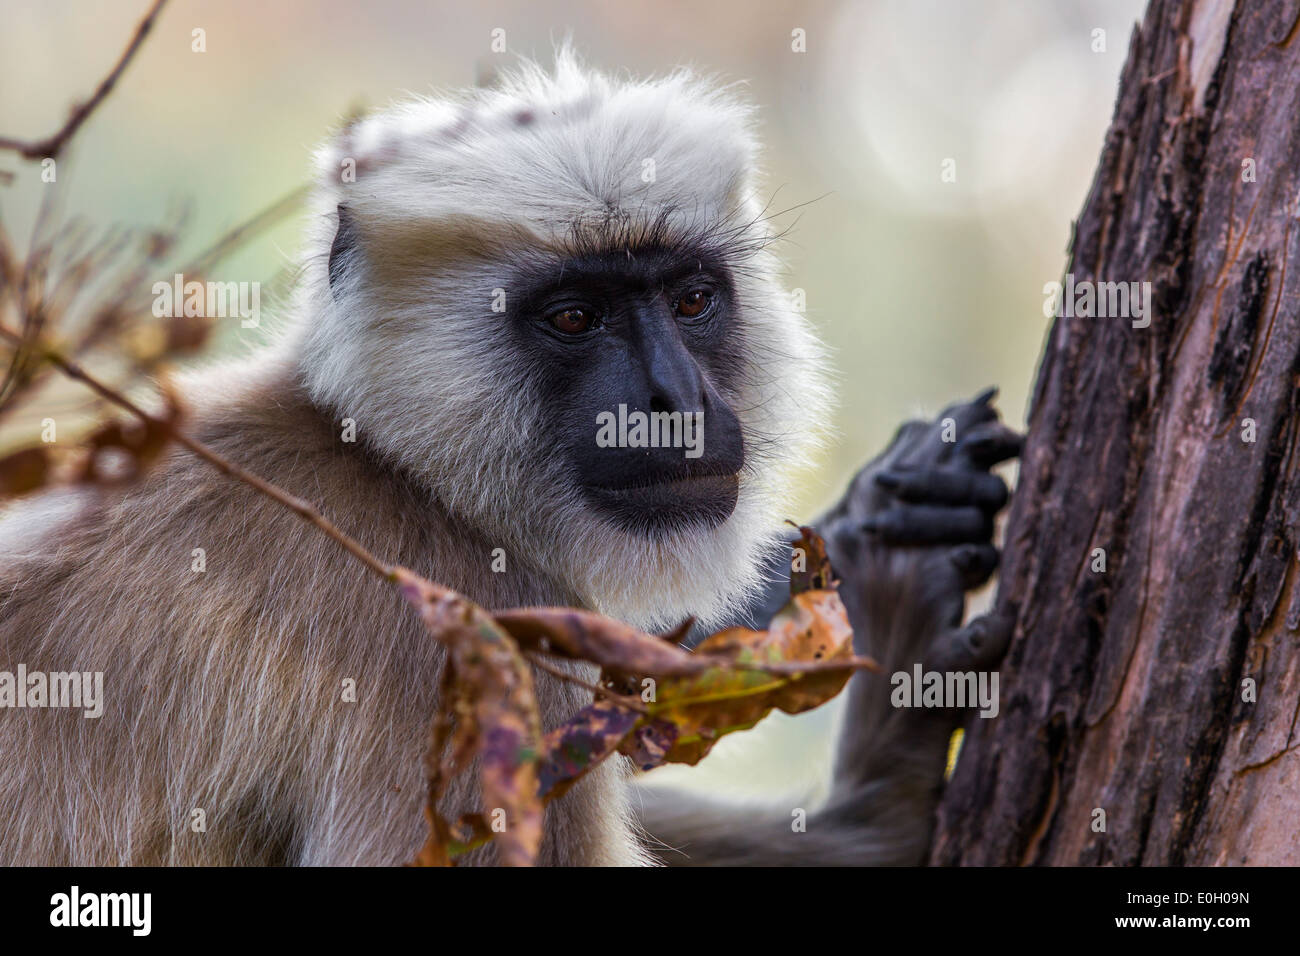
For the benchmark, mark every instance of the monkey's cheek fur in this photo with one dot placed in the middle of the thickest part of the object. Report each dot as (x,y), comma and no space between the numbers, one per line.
(664,506)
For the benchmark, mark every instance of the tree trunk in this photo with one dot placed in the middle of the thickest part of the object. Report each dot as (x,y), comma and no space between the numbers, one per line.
(1165,689)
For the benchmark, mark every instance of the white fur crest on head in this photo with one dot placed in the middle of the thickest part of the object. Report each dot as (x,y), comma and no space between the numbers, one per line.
(448,196)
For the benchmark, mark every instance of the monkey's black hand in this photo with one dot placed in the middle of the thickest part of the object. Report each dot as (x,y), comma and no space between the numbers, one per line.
(914,533)
(932,484)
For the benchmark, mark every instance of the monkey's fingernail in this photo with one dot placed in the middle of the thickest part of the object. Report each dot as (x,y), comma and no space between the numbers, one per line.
(971,559)
(986,396)
(889,480)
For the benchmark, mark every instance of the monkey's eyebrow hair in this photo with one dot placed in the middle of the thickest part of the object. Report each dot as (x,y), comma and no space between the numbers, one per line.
(653,266)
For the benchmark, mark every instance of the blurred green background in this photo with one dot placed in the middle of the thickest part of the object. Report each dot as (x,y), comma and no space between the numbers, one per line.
(925,290)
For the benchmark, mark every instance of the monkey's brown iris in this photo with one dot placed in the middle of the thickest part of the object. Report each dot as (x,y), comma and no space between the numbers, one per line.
(571,321)
(693,303)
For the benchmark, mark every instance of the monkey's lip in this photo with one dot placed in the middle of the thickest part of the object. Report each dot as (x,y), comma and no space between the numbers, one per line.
(690,484)
(696,498)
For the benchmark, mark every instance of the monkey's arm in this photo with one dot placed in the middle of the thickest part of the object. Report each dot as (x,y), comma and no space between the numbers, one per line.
(910,537)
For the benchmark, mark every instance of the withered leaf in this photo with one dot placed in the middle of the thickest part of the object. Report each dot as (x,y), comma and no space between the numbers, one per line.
(24,471)
(440,767)
(140,443)
(577,745)
(188,333)
(813,571)
(499,717)
(586,635)
(806,657)
(803,659)
(733,680)
(150,343)
(648,745)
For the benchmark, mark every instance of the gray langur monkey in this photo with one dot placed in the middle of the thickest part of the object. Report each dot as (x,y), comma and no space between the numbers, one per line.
(485,275)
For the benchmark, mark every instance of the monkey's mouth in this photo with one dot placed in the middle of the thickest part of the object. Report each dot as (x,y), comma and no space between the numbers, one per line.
(662,504)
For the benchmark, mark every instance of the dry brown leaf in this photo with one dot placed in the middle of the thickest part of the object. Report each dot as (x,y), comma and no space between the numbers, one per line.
(810,568)
(582,742)
(497,719)
(806,656)
(138,443)
(24,471)
(586,635)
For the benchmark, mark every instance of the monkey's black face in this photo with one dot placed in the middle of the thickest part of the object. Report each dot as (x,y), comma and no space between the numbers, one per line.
(634,353)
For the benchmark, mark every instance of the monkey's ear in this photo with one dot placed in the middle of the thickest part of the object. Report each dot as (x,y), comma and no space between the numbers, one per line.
(343,247)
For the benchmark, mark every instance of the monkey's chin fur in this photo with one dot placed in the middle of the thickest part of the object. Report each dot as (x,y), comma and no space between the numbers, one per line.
(704,501)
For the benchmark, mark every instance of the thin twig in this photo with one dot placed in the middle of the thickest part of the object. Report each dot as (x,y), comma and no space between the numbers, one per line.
(51,145)
(304,509)
(110,316)
(631,703)
(267,217)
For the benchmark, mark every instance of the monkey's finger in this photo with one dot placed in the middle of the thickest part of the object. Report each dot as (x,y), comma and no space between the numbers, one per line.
(929,524)
(989,444)
(966,415)
(975,563)
(922,444)
(936,444)
(906,439)
(978,645)
(946,486)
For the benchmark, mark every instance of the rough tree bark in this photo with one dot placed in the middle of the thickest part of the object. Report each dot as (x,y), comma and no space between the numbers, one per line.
(1126,690)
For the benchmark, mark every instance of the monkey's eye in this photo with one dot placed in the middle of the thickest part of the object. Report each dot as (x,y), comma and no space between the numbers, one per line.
(571,321)
(693,303)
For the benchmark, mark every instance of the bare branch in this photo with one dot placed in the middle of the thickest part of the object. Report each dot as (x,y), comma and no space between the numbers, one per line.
(263,220)
(299,506)
(52,145)
(631,703)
